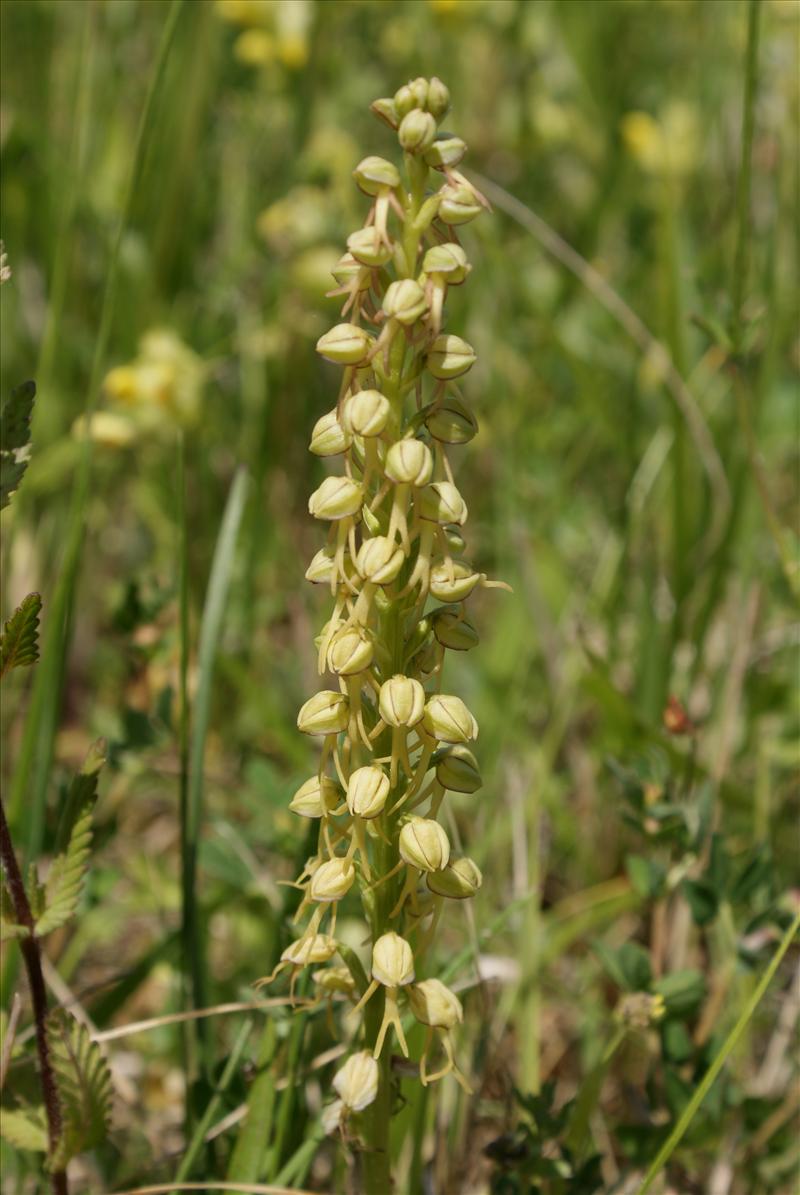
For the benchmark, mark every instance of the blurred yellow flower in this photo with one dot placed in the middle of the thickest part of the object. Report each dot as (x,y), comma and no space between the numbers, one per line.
(273,29)
(669,145)
(254,47)
(105,428)
(161,386)
(296,220)
(245,12)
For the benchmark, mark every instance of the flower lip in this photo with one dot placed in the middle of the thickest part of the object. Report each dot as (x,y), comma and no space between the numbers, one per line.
(392,961)
(455,587)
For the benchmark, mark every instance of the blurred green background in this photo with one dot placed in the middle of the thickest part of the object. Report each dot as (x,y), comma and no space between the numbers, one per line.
(642,516)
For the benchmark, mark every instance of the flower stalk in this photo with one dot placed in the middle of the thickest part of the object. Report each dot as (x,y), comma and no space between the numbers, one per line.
(393,742)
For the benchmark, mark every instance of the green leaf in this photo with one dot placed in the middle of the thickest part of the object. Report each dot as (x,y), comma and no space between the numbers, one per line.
(64,883)
(24,1128)
(677,1043)
(19,643)
(84,1085)
(629,966)
(646,876)
(682,991)
(702,900)
(15,432)
(82,791)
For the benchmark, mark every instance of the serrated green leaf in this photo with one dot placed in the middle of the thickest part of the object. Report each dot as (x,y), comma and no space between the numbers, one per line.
(15,431)
(702,900)
(82,791)
(19,643)
(24,1128)
(64,884)
(84,1085)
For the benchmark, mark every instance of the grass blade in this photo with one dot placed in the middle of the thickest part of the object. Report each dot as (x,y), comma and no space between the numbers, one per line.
(675,1137)
(210,629)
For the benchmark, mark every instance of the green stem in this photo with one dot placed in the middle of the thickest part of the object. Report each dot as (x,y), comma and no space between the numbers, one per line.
(675,1137)
(739,282)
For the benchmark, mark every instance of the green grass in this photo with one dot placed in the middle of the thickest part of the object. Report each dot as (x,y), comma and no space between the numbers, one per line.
(634,480)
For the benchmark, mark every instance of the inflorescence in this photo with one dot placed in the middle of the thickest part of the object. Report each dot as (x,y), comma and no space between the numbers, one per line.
(393,744)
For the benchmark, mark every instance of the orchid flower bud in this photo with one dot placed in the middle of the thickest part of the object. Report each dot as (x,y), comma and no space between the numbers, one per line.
(424,844)
(416,131)
(445,152)
(451,422)
(324,713)
(332,1118)
(321,568)
(457,769)
(450,356)
(335,981)
(460,880)
(458,204)
(448,720)
(392,961)
(409,462)
(453,581)
(349,272)
(386,110)
(336,498)
(441,502)
(379,560)
(375,175)
(434,1004)
(356,1082)
(448,261)
(318,796)
(332,881)
(438,99)
(316,949)
(368,247)
(410,96)
(453,630)
(345,344)
(404,301)
(367,791)
(329,437)
(350,650)
(401,701)
(366,412)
